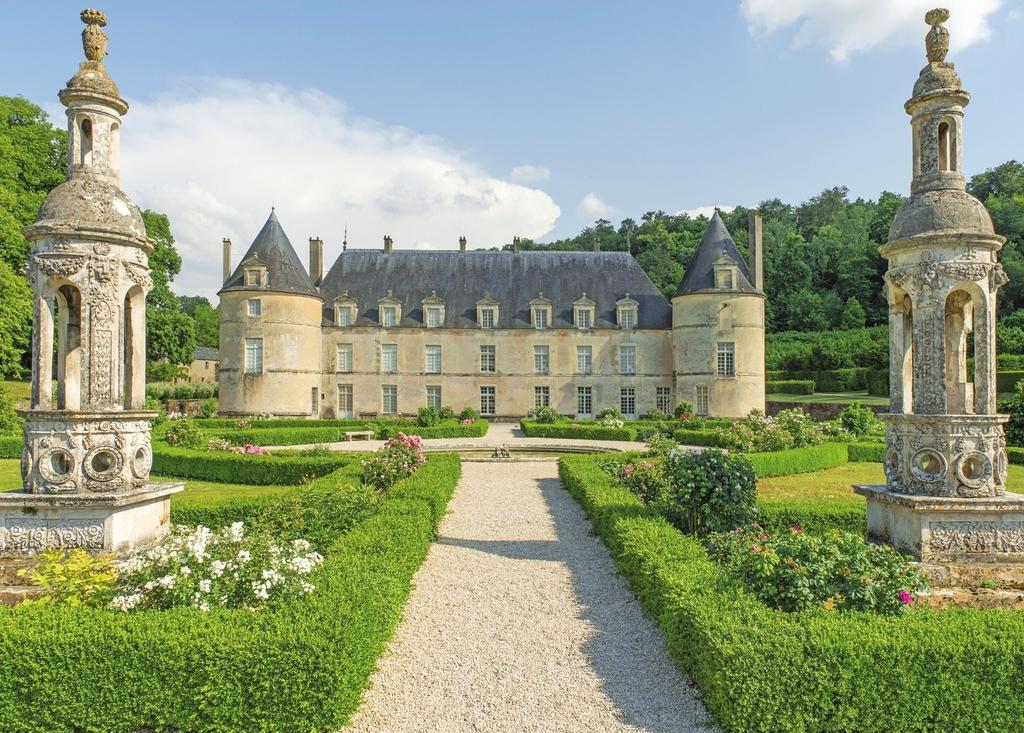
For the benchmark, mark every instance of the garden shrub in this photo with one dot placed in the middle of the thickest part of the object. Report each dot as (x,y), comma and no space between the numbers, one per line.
(1015,455)
(793,570)
(1007,380)
(707,491)
(246,469)
(684,411)
(798,460)
(297,667)
(399,457)
(73,578)
(427,417)
(858,420)
(814,515)
(866,452)
(10,446)
(762,670)
(706,438)
(790,386)
(208,407)
(580,431)
(468,413)
(878,382)
(452,429)
(447,413)
(645,478)
(184,434)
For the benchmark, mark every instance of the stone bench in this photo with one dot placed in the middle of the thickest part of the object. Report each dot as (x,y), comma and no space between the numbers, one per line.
(351,435)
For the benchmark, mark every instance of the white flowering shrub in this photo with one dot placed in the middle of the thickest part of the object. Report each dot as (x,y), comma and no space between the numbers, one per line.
(224,568)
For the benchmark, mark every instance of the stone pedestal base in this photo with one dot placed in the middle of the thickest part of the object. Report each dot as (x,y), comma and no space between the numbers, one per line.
(117,523)
(942,530)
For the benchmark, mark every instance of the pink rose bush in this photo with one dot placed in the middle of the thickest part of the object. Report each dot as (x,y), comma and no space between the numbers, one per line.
(399,458)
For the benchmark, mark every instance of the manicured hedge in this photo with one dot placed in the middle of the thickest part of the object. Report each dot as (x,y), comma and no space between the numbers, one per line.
(830,380)
(798,460)
(477,429)
(278,436)
(1015,455)
(580,431)
(10,446)
(790,386)
(1007,380)
(765,670)
(706,438)
(298,668)
(813,516)
(866,452)
(244,469)
(878,382)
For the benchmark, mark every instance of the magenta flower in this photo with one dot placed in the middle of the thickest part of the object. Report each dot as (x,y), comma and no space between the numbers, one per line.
(796,528)
(905,598)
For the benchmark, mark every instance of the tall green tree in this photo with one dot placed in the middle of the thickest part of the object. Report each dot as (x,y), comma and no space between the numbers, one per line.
(170,333)
(205,317)
(15,321)
(33,159)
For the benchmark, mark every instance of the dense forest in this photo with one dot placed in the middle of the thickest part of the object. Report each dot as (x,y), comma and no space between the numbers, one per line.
(822,268)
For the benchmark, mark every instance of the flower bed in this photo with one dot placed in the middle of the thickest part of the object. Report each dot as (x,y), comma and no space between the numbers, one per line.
(298,667)
(819,670)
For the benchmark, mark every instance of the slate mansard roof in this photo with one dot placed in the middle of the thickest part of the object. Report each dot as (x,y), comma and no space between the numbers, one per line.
(285,273)
(700,273)
(512,279)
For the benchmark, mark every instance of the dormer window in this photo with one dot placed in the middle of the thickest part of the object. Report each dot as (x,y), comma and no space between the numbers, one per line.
(726,272)
(345,310)
(487,312)
(540,311)
(255,277)
(433,311)
(627,312)
(390,310)
(583,312)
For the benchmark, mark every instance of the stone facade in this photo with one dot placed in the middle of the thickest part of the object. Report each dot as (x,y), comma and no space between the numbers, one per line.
(388,332)
(87,454)
(945,462)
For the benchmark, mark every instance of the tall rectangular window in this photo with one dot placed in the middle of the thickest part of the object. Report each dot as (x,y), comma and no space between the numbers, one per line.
(627,317)
(255,307)
(344,357)
(583,318)
(540,317)
(487,317)
(434,396)
(433,365)
(389,316)
(627,402)
(389,357)
(254,356)
(433,317)
(344,316)
(726,359)
(541,396)
(541,359)
(314,400)
(701,399)
(345,401)
(584,402)
(488,359)
(487,400)
(389,399)
(584,359)
(663,399)
(627,360)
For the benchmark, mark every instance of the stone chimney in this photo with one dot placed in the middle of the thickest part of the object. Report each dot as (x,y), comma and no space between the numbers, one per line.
(316,259)
(226,243)
(462,244)
(388,242)
(515,244)
(597,244)
(756,244)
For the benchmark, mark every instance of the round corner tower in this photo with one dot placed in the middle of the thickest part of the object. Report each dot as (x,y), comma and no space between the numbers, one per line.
(944,437)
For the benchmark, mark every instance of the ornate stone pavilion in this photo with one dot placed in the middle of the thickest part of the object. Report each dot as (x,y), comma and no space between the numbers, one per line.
(87,452)
(945,463)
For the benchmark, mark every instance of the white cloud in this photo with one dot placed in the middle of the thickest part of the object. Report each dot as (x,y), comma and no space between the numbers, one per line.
(529,173)
(705,211)
(216,158)
(846,27)
(592,207)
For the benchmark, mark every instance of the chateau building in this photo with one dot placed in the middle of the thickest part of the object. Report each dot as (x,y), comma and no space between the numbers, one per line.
(385,332)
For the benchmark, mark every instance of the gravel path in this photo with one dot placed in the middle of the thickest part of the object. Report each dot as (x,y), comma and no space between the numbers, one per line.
(520,622)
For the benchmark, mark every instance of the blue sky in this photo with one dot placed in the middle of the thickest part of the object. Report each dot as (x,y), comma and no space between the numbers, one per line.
(515,118)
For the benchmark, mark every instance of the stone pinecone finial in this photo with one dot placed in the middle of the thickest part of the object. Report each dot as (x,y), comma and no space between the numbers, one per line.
(94,40)
(937,41)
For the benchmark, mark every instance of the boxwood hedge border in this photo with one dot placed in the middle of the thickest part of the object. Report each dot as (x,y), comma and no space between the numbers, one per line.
(762,670)
(298,668)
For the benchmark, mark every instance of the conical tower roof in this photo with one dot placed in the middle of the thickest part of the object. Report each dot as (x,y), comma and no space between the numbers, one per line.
(700,273)
(271,248)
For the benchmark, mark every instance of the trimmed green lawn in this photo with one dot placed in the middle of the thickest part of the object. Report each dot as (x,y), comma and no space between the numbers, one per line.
(10,474)
(835,484)
(19,391)
(842,398)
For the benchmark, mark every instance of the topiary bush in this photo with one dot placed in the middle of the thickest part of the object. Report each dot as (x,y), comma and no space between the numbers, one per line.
(427,417)
(707,491)
(546,415)
(468,413)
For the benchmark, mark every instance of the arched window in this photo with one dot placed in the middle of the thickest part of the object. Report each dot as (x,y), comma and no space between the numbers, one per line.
(69,348)
(966,393)
(947,146)
(134,349)
(115,147)
(85,142)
